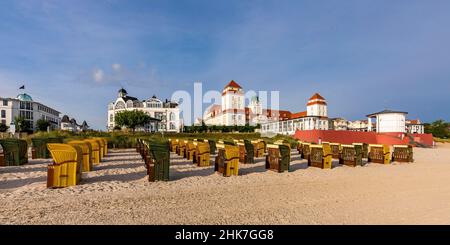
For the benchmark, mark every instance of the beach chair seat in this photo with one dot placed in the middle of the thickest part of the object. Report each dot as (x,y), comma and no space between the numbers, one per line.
(202,155)
(246,152)
(95,153)
(227,160)
(335,150)
(402,153)
(364,149)
(379,154)
(66,167)
(190,150)
(351,155)
(157,161)
(86,149)
(320,156)
(278,157)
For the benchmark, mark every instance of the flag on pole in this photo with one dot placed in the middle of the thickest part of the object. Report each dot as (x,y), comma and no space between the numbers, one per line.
(22,87)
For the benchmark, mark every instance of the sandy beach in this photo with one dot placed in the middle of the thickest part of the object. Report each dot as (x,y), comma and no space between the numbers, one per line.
(118,192)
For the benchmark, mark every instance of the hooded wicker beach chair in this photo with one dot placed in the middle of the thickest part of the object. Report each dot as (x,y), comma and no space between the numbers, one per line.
(101,144)
(227,160)
(66,167)
(246,152)
(402,153)
(39,147)
(190,150)
(335,150)
(278,157)
(351,155)
(320,156)
(15,152)
(202,154)
(157,161)
(259,147)
(379,154)
(95,153)
(182,148)
(364,149)
(87,153)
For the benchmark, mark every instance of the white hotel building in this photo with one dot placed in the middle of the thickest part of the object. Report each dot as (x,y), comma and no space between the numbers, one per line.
(315,117)
(24,106)
(165,114)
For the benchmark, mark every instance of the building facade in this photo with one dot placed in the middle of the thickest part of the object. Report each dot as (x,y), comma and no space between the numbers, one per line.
(415,127)
(388,121)
(166,114)
(24,106)
(315,117)
(234,112)
(71,125)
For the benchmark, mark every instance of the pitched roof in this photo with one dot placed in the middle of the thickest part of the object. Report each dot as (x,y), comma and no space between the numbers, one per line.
(298,115)
(316,96)
(65,119)
(233,84)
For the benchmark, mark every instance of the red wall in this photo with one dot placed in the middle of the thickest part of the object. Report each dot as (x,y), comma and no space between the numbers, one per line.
(349,137)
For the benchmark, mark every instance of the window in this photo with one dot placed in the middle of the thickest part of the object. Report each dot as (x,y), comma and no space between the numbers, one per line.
(172,116)
(111,118)
(5,102)
(120,105)
(3,114)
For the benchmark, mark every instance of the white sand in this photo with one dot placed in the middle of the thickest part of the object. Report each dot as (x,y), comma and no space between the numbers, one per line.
(118,192)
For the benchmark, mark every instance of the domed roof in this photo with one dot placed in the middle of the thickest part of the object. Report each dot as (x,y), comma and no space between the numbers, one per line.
(24,97)
(123,91)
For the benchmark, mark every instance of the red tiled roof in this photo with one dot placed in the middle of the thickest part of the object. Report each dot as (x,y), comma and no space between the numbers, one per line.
(233,84)
(316,96)
(298,115)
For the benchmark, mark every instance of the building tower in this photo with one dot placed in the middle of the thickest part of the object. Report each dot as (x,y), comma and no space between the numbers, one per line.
(233,105)
(317,106)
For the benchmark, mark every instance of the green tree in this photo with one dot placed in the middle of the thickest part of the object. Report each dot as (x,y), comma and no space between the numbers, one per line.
(3,127)
(439,129)
(132,119)
(22,125)
(42,125)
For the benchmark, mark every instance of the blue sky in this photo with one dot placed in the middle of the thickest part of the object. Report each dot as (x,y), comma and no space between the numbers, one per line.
(362,55)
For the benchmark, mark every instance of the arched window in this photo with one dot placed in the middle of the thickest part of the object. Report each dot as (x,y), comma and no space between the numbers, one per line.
(172,126)
(172,116)
(130,104)
(120,105)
